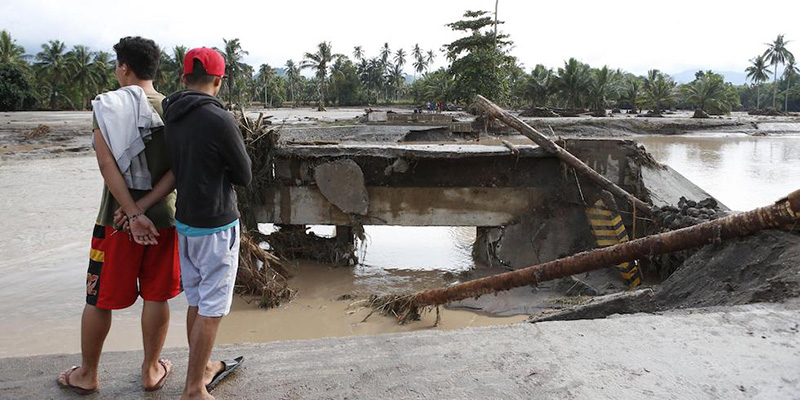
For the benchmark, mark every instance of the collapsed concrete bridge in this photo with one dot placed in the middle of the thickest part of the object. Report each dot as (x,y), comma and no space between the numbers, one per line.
(513,197)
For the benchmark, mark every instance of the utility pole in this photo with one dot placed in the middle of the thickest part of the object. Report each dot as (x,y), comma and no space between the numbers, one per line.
(496,2)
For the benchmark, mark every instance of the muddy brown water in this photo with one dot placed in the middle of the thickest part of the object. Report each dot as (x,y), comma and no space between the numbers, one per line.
(50,205)
(741,171)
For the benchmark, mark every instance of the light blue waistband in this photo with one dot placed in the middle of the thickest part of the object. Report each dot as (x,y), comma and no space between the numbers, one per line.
(187,230)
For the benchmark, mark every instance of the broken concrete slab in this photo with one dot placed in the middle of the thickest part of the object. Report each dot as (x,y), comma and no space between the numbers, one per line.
(666,186)
(603,306)
(342,183)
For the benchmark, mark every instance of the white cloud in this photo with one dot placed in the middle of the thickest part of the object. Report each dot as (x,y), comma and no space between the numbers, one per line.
(636,36)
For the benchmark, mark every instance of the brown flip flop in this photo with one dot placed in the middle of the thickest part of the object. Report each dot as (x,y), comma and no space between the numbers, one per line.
(163,380)
(66,385)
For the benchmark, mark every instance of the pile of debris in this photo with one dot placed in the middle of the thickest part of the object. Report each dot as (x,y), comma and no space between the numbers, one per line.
(687,213)
(294,241)
(261,274)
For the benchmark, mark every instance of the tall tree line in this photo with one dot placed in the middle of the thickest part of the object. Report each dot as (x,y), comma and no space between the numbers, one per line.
(58,77)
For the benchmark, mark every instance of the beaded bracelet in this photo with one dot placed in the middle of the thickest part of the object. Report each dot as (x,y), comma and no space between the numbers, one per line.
(133,217)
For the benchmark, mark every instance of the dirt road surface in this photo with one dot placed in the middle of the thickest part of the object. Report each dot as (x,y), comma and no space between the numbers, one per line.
(731,353)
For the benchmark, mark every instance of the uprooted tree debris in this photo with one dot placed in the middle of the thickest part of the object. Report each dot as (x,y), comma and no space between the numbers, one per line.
(260,274)
(781,215)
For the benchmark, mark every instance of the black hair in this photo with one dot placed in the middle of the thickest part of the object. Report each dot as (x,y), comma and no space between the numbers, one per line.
(198,77)
(140,54)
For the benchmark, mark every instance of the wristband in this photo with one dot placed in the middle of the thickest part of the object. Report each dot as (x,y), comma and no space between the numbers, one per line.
(133,217)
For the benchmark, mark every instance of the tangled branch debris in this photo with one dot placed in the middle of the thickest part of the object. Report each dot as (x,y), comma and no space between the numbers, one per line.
(38,132)
(260,274)
(291,241)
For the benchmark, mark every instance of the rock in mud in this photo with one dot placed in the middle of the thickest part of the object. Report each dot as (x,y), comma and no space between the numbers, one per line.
(602,307)
(342,183)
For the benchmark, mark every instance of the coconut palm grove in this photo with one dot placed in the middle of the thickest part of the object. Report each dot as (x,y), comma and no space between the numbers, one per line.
(65,76)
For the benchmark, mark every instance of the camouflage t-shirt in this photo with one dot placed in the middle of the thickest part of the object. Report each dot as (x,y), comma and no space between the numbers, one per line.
(162,213)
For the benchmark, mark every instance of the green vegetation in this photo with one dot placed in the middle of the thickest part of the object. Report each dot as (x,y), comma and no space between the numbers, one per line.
(478,61)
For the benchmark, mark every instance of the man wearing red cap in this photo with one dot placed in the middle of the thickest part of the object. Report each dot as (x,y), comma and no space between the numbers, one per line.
(208,157)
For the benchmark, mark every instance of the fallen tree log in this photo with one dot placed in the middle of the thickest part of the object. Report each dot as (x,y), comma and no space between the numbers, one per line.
(783,214)
(496,112)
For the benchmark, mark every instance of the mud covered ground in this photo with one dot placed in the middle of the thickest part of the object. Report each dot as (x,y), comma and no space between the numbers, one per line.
(764,267)
(69,132)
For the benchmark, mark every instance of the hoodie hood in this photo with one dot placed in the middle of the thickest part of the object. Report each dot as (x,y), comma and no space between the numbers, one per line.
(179,104)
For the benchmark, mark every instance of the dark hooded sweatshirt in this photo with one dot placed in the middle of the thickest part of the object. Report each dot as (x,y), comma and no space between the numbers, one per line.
(208,157)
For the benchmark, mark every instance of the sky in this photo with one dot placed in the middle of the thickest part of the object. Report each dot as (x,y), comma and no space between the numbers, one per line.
(673,36)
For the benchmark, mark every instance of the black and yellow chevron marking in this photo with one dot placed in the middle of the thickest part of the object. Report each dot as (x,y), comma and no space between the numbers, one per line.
(609,230)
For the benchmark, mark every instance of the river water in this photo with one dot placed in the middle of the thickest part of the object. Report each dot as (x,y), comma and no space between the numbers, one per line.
(743,172)
(50,205)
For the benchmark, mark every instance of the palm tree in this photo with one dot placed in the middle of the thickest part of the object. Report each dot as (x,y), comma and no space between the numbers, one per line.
(319,62)
(601,88)
(370,73)
(659,90)
(103,69)
(266,79)
(438,86)
(82,73)
(358,53)
(173,67)
(52,67)
(400,58)
(706,92)
(632,92)
(758,72)
(789,73)
(777,53)
(652,75)
(10,52)
(419,60)
(291,77)
(234,66)
(429,59)
(396,79)
(573,82)
(384,55)
(540,85)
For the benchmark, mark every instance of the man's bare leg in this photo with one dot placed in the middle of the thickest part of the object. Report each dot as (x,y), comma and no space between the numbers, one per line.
(212,367)
(95,324)
(202,333)
(155,322)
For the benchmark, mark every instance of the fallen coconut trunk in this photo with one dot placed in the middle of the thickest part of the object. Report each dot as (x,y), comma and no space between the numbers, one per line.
(783,214)
(496,112)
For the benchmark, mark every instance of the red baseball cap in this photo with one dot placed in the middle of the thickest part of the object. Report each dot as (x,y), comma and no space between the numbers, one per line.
(212,61)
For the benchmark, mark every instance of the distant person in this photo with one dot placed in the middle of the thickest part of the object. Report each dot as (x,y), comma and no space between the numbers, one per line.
(208,157)
(128,138)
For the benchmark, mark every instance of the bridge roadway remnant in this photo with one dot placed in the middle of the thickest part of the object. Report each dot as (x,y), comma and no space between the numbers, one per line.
(437,184)
(454,184)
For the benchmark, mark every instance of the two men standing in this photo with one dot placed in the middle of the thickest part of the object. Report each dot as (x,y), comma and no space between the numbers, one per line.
(144,154)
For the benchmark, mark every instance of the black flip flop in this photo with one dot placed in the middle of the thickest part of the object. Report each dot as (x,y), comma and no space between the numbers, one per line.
(228,367)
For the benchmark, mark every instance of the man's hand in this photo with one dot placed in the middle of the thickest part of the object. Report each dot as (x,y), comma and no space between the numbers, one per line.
(143,230)
(121,220)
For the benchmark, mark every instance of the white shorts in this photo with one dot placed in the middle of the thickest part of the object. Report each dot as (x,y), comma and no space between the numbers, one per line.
(208,270)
